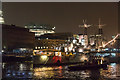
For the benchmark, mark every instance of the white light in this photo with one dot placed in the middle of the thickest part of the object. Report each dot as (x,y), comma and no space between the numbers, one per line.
(35,47)
(1,20)
(74,41)
(44,57)
(4,47)
(106,49)
(113,64)
(0,12)
(53,28)
(80,50)
(2,50)
(22,49)
(92,49)
(77,44)
(65,49)
(57,48)
(57,53)
(70,48)
(113,54)
(73,50)
(66,53)
(83,58)
(21,66)
(114,49)
(74,53)
(25,26)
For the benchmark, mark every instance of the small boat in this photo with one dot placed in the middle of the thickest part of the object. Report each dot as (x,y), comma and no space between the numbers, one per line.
(87,66)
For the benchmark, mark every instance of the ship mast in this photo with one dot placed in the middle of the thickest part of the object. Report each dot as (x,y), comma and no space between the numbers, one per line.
(100,31)
(85,27)
(100,34)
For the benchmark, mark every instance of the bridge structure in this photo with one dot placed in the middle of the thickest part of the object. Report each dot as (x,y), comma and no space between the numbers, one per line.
(115,42)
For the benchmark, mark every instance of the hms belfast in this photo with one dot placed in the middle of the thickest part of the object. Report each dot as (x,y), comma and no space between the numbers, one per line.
(73,49)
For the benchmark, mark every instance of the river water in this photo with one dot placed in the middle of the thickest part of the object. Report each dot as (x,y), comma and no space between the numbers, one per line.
(26,71)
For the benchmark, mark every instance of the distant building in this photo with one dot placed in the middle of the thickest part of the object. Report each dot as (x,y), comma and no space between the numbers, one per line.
(40,29)
(14,37)
(1,17)
(52,41)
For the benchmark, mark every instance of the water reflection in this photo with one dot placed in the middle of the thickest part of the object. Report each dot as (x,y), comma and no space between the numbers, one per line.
(113,71)
(48,72)
(17,70)
(59,72)
(26,70)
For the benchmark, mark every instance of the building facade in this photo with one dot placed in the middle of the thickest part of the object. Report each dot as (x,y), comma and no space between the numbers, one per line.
(40,29)
(52,41)
(1,17)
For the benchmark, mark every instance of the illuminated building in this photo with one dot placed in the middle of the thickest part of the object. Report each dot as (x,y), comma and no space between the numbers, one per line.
(49,44)
(1,17)
(52,41)
(40,29)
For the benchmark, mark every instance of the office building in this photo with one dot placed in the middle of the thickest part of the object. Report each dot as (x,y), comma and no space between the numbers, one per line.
(40,29)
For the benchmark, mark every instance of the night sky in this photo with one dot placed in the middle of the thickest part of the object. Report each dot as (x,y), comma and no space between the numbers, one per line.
(65,16)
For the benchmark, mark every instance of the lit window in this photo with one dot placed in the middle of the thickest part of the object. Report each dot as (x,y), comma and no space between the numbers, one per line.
(35,47)
(38,47)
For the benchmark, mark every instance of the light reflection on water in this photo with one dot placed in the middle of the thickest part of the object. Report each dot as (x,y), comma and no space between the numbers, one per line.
(17,70)
(112,72)
(26,70)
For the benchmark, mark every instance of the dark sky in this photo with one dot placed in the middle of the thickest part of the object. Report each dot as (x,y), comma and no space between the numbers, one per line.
(65,16)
